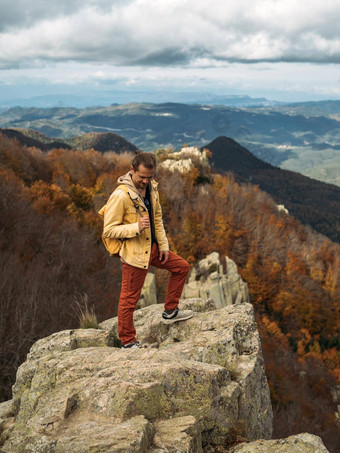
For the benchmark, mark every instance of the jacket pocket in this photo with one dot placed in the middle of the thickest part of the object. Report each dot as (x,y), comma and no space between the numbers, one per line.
(131,215)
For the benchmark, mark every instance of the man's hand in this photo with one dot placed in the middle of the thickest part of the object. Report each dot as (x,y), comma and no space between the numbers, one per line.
(143,223)
(163,257)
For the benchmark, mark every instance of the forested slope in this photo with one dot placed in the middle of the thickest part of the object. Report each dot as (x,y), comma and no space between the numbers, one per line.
(312,202)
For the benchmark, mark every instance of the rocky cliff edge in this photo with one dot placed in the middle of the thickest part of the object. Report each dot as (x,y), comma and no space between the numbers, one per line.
(194,385)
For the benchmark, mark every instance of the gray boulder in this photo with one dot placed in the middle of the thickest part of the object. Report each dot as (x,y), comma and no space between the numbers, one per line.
(216,280)
(190,386)
(300,443)
(210,278)
(148,295)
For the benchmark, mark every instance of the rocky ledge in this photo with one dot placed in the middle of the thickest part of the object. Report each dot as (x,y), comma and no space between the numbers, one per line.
(194,385)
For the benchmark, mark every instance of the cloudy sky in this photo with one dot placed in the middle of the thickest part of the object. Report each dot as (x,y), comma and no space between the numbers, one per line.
(280,49)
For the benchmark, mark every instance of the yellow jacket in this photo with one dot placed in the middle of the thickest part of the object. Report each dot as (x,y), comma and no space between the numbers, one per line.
(121,222)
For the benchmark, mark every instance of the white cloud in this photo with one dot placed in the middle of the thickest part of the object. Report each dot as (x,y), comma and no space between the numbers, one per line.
(282,81)
(243,46)
(168,32)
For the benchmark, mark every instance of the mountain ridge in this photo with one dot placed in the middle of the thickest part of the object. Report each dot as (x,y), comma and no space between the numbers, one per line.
(311,201)
(38,140)
(303,137)
(100,141)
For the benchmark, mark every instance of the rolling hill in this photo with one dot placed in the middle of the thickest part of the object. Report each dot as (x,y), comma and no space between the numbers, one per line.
(100,141)
(30,138)
(302,137)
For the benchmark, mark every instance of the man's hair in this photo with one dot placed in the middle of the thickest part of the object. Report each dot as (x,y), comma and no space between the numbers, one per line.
(146,159)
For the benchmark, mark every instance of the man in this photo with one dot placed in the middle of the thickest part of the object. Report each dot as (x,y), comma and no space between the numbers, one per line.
(134,215)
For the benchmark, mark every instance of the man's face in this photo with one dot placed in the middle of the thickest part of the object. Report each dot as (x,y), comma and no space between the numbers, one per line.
(142,176)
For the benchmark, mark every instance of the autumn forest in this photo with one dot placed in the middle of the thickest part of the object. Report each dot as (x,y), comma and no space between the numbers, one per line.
(52,259)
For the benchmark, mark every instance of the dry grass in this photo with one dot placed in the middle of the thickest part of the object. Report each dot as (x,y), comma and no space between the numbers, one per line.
(86,315)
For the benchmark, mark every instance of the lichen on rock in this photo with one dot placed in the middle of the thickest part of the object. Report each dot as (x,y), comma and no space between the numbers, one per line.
(196,379)
(217,280)
(300,443)
(192,386)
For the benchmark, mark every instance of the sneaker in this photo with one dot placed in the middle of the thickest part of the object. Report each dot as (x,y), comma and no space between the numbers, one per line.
(177,315)
(134,345)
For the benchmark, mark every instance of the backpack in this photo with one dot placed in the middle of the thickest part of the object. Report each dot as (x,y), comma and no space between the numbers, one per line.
(112,245)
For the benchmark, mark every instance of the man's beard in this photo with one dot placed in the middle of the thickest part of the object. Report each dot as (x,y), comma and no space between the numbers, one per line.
(140,185)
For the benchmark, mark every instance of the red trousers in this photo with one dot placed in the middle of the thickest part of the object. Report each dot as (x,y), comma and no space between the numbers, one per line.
(132,284)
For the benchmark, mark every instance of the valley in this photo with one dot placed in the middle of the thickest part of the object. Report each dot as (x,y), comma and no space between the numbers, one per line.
(302,137)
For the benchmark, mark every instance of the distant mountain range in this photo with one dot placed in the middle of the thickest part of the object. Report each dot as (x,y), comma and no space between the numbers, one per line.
(302,137)
(122,97)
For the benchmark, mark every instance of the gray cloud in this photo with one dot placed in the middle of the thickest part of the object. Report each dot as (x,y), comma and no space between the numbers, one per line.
(170,56)
(168,32)
(25,13)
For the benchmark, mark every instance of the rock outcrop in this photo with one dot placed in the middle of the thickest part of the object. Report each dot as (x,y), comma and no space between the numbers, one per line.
(149,294)
(211,278)
(218,281)
(189,387)
(300,443)
(282,208)
(186,159)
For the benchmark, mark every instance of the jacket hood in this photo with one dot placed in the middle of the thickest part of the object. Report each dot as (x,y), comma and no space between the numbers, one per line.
(127,180)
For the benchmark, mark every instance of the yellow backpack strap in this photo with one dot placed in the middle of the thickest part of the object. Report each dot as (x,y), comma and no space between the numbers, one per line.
(122,187)
(101,212)
(135,204)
